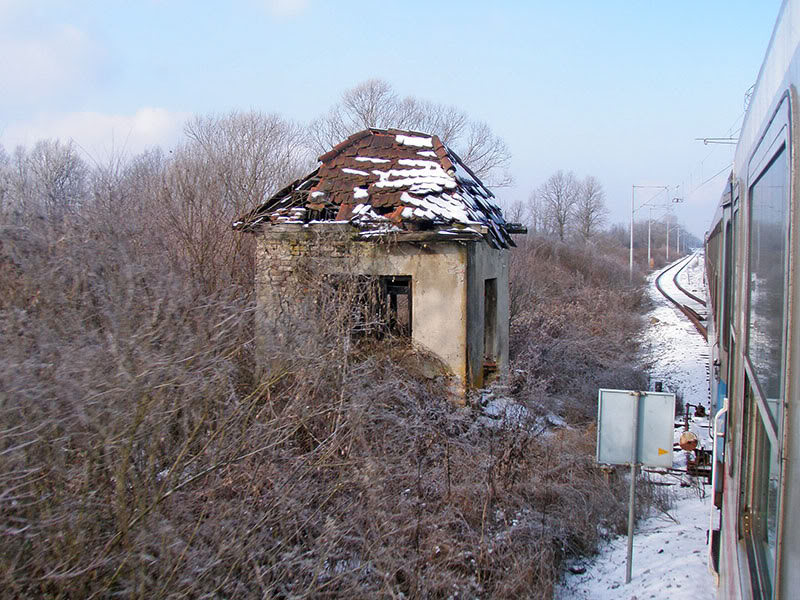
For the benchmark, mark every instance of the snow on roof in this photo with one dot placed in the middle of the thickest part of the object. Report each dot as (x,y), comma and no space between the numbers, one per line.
(405,179)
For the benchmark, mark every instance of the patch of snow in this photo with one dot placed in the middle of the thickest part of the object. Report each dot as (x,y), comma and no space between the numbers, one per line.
(428,153)
(674,351)
(409,178)
(447,207)
(422,213)
(380,231)
(669,560)
(317,194)
(363,214)
(425,164)
(410,140)
(350,171)
(505,409)
(376,161)
(360,192)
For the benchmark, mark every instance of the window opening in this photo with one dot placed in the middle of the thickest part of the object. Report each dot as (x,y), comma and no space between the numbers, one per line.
(373,306)
(396,301)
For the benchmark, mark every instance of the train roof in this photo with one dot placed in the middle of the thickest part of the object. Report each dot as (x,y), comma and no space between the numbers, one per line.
(781,66)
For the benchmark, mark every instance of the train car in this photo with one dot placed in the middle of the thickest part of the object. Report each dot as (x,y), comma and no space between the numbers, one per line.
(753,256)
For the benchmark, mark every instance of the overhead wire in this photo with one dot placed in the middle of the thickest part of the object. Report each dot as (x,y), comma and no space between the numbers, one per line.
(733,131)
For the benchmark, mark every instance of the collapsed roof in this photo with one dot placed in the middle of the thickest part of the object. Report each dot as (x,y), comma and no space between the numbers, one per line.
(389,181)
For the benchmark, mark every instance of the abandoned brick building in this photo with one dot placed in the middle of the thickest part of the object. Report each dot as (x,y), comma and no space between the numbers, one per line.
(400,208)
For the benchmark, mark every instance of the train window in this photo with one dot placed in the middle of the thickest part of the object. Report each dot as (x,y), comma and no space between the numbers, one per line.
(760,496)
(769,202)
(764,502)
(727,284)
(736,269)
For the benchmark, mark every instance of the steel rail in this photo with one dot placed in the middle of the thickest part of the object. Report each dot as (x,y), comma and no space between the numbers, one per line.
(690,314)
(700,301)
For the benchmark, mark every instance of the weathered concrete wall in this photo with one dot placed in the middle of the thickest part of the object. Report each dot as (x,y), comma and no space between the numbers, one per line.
(438,272)
(485,263)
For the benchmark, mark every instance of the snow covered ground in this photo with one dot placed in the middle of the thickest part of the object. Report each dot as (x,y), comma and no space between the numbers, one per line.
(669,550)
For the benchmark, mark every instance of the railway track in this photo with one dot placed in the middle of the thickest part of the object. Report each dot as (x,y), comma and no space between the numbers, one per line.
(678,285)
(674,290)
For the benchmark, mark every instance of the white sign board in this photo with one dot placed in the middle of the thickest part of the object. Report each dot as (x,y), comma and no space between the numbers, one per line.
(615,428)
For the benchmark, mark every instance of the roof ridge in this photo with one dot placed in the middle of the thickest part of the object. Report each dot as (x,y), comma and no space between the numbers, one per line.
(360,135)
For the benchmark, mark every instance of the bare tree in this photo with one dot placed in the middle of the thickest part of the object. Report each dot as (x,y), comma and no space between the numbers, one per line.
(537,214)
(252,154)
(559,196)
(374,103)
(5,178)
(515,211)
(59,175)
(230,164)
(49,180)
(19,193)
(590,208)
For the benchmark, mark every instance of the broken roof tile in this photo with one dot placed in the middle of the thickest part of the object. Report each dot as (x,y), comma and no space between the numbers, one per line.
(411,176)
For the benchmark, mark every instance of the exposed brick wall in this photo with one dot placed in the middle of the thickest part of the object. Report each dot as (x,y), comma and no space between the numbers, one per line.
(283,257)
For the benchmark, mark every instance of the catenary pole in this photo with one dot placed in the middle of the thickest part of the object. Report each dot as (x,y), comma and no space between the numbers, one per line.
(633,194)
(633,210)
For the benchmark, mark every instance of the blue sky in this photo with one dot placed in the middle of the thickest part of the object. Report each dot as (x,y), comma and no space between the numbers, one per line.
(618,90)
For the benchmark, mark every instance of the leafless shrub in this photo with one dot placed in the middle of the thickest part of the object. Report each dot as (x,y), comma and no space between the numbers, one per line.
(575,323)
(141,455)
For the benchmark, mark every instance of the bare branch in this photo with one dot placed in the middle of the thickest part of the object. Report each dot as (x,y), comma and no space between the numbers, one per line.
(374,103)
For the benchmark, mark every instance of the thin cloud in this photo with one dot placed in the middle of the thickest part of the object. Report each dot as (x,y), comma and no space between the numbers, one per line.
(286,8)
(55,60)
(99,134)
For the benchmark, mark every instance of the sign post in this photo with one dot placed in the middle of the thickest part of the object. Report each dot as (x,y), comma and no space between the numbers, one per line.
(634,428)
(632,497)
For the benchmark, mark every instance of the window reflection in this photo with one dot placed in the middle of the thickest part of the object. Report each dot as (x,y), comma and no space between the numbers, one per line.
(768,226)
(764,506)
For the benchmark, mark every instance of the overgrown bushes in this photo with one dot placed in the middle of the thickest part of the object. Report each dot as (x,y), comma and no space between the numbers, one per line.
(142,456)
(575,321)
